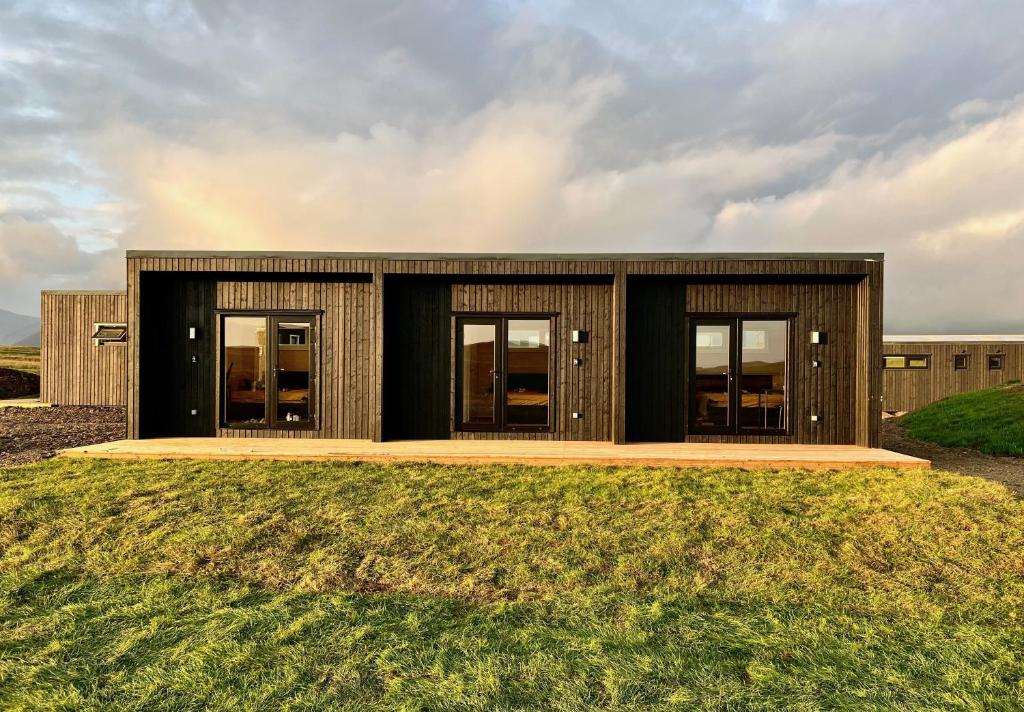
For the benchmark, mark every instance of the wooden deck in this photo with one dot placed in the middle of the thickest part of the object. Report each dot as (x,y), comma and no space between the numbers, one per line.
(505,452)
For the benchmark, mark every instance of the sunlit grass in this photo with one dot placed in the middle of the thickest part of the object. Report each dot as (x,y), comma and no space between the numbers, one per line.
(254,584)
(991,420)
(22,358)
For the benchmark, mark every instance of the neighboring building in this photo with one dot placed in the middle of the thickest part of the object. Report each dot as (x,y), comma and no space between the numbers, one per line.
(922,369)
(83,350)
(706,348)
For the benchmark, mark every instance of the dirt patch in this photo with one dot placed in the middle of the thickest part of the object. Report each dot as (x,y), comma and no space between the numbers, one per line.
(1008,471)
(30,434)
(18,384)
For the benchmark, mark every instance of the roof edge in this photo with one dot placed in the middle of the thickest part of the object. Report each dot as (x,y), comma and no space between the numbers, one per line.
(527,256)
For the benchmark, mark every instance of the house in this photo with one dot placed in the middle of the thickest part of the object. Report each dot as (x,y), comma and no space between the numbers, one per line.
(922,369)
(760,348)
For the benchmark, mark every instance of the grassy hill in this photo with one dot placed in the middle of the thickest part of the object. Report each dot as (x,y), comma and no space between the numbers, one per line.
(254,585)
(991,420)
(20,358)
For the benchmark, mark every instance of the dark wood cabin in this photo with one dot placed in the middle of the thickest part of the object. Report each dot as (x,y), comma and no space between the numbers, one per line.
(923,369)
(764,348)
(82,347)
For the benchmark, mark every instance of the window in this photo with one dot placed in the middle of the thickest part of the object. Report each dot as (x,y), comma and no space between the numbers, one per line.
(268,382)
(961,361)
(739,375)
(995,362)
(109,334)
(503,373)
(897,362)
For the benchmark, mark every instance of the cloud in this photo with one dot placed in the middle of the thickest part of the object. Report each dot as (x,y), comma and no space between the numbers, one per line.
(947,212)
(519,125)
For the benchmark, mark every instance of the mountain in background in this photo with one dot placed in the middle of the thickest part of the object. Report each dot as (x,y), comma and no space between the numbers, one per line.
(18,329)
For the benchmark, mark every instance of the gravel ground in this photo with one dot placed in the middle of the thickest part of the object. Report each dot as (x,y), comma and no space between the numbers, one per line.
(1008,471)
(30,434)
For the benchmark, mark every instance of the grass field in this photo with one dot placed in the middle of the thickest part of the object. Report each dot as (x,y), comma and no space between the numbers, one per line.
(23,358)
(252,585)
(991,420)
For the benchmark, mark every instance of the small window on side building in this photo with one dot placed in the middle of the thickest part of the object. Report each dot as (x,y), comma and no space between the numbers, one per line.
(995,362)
(961,362)
(915,363)
(109,334)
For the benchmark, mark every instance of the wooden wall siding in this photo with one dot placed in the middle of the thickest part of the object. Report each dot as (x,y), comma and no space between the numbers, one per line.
(347,350)
(72,370)
(586,388)
(910,389)
(655,361)
(417,361)
(177,375)
(828,391)
(862,275)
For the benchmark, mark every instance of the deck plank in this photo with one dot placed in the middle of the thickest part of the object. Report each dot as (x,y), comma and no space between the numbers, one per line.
(538,452)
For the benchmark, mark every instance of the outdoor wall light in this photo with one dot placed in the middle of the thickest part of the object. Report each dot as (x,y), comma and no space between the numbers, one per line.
(815,419)
(576,415)
(192,332)
(580,337)
(577,362)
(819,337)
(815,364)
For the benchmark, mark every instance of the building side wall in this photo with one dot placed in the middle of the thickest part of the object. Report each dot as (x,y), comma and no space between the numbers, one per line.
(910,389)
(73,371)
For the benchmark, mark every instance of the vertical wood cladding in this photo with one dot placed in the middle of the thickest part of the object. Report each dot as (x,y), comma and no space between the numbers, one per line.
(655,361)
(176,376)
(828,391)
(837,294)
(586,388)
(417,363)
(346,350)
(74,371)
(910,389)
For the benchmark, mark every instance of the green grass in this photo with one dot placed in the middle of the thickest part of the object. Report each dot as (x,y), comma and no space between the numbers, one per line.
(22,358)
(182,585)
(991,420)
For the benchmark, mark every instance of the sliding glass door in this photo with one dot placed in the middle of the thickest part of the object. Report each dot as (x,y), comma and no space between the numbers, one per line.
(268,371)
(739,375)
(503,373)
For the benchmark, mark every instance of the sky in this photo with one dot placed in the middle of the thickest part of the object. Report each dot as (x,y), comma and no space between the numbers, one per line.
(557,126)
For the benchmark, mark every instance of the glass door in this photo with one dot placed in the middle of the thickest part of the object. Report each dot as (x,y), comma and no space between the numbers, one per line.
(268,373)
(711,376)
(478,374)
(503,373)
(292,382)
(739,374)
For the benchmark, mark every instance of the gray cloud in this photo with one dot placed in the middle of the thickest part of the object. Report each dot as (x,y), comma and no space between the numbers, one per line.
(733,124)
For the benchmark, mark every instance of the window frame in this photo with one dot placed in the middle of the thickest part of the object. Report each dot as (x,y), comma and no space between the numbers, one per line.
(501,319)
(966,360)
(1000,360)
(735,321)
(906,362)
(272,317)
(98,326)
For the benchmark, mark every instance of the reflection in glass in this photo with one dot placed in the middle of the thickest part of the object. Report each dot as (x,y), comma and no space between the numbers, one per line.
(478,369)
(526,378)
(245,353)
(763,375)
(711,374)
(293,372)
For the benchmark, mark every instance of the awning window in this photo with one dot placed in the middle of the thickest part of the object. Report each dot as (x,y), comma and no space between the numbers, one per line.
(109,334)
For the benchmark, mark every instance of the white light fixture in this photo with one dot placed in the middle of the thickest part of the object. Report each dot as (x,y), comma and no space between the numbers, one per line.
(191,332)
(819,337)
(815,419)
(576,415)
(580,336)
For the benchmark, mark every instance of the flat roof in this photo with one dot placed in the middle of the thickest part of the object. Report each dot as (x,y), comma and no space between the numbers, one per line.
(940,338)
(115,292)
(511,256)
